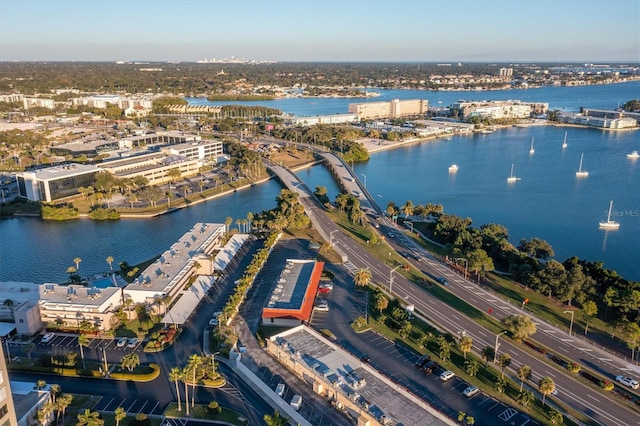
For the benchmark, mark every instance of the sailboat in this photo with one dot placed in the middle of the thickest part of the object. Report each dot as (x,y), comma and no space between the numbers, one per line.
(581,173)
(453,168)
(609,224)
(531,151)
(633,156)
(564,143)
(511,177)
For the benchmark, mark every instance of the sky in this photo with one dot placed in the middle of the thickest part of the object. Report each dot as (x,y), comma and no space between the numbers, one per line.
(321,30)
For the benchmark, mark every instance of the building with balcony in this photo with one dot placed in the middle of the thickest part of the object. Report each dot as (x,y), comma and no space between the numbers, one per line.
(499,109)
(198,150)
(393,109)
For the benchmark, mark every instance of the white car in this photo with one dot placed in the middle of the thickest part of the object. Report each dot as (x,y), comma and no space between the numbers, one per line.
(321,306)
(470,391)
(48,337)
(628,381)
(296,402)
(447,375)
(132,342)
(121,342)
(280,389)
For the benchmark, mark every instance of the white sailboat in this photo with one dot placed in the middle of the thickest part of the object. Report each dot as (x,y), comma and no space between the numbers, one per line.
(453,168)
(531,150)
(511,177)
(609,224)
(581,173)
(564,143)
(633,156)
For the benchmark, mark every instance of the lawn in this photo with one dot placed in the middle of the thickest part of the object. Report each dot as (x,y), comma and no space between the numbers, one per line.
(205,413)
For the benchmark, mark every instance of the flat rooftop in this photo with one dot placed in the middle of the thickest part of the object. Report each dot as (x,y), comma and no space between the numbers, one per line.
(65,170)
(337,366)
(75,295)
(292,285)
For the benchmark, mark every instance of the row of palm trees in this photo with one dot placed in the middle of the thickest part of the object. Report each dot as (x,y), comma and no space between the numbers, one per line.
(198,367)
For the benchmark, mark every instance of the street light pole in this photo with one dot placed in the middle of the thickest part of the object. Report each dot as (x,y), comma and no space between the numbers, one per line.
(497,345)
(571,324)
(391,279)
(365,180)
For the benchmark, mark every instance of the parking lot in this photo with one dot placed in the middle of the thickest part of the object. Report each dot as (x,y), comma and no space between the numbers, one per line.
(131,406)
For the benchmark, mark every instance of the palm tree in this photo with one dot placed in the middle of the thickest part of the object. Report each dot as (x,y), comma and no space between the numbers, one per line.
(77,261)
(175,375)
(487,353)
(471,367)
(275,419)
(184,376)
(119,415)
(444,348)
(524,373)
(130,361)
(227,222)
(83,341)
(89,418)
(44,413)
(546,386)
(55,390)
(466,344)
(63,402)
(381,302)
(503,361)
(194,362)
(362,277)
(407,209)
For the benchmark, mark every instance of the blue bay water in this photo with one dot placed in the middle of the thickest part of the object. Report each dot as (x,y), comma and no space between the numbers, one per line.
(549,202)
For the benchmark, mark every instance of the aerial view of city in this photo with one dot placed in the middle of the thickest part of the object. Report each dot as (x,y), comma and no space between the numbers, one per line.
(319,212)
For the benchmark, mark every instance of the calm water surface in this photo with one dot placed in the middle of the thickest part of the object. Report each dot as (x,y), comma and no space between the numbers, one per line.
(549,202)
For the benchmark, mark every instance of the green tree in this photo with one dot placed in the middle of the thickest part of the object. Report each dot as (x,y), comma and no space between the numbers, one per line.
(130,361)
(381,301)
(77,261)
(175,375)
(520,326)
(555,417)
(525,398)
(63,402)
(83,342)
(275,419)
(471,367)
(504,360)
(362,277)
(465,344)
(488,353)
(500,384)
(546,386)
(215,407)
(524,373)
(589,310)
(444,348)
(119,415)
(89,418)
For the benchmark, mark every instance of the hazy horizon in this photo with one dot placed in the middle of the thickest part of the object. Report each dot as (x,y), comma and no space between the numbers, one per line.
(499,31)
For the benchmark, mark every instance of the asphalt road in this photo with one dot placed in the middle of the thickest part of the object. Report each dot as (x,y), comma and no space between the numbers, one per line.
(575,394)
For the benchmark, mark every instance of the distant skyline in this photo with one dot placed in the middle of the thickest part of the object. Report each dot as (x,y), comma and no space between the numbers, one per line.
(321,30)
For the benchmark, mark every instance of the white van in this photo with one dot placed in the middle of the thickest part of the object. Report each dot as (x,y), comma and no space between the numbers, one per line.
(296,402)
(48,337)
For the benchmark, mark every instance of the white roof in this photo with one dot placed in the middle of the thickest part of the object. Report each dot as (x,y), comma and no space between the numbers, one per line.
(188,301)
(224,256)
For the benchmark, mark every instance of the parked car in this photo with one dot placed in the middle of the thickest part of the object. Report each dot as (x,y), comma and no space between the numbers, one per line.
(321,306)
(296,402)
(447,375)
(628,381)
(48,337)
(121,342)
(325,288)
(470,391)
(280,389)
(420,362)
(430,366)
(132,342)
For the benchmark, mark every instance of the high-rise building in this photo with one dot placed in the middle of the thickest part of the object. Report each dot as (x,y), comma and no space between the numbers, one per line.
(7,409)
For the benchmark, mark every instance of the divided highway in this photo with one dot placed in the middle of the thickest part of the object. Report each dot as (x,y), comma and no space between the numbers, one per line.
(575,394)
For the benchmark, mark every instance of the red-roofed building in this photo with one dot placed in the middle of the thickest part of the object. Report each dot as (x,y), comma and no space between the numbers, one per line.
(291,301)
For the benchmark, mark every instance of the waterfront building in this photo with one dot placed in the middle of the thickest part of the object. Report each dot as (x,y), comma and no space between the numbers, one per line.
(28,399)
(199,150)
(393,109)
(122,102)
(8,415)
(188,257)
(499,109)
(54,183)
(19,307)
(72,304)
(598,121)
(322,119)
(291,301)
(155,167)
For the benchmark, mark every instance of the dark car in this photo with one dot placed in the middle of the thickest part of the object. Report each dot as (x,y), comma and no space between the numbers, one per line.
(365,358)
(430,366)
(442,280)
(420,362)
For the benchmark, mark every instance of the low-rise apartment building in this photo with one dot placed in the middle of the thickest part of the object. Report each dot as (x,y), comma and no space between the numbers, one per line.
(499,109)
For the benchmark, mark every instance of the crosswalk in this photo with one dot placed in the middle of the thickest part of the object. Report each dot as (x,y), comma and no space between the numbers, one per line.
(351,267)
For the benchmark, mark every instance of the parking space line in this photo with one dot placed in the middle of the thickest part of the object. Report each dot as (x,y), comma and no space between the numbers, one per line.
(131,406)
(143,405)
